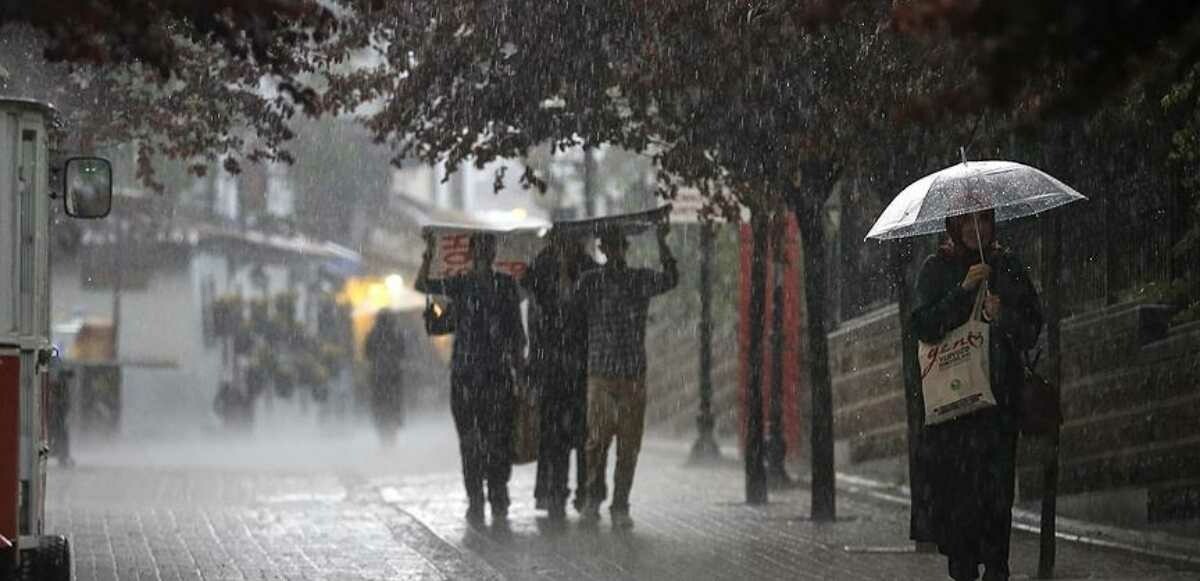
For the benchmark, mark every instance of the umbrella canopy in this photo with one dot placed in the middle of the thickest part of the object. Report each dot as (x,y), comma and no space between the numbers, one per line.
(1014,190)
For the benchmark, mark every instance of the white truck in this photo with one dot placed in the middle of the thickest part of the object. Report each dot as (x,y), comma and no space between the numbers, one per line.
(26,193)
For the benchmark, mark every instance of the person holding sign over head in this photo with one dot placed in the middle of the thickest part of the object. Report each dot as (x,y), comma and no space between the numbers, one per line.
(977,311)
(489,344)
(616,298)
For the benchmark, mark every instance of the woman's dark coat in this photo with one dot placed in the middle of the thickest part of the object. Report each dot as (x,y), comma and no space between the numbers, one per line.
(558,370)
(970,461)
(558,341)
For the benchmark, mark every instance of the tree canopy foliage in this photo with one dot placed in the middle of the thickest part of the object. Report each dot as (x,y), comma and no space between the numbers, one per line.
(694,82)
(1050,56)
(185,79)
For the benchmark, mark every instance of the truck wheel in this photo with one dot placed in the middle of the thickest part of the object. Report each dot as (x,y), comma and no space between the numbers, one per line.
(8,564)
(27,569)
(53,560)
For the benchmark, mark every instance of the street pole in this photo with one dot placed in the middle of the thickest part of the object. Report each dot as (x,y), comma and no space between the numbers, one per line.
(705,448)
(1052,257)
(756,474)
(776,444)
(589,191)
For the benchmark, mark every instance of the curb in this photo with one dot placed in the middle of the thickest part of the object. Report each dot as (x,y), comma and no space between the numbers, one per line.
(1169,548)
(1159,546)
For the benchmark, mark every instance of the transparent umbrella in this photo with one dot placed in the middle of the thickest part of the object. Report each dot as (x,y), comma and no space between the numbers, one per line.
(1012,189)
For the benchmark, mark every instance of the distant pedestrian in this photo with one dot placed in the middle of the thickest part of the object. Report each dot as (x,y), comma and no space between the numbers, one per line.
(616,299)
(971,461)
(558,370)
(489,343)
(385,351)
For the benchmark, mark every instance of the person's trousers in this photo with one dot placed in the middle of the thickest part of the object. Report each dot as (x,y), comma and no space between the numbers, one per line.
(482,403)
(563,417)
(616,409)
(563,429)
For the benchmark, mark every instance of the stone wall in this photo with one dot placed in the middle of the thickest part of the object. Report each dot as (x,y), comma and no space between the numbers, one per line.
(868,394)
(1131,401)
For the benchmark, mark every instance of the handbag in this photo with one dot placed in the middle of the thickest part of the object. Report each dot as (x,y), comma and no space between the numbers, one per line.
(526,434)
(956,371)
(1041,401)
(439,320)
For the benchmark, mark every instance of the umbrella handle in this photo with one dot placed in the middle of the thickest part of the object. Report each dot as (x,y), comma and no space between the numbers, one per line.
(977,308)
(983,288)
(978,238)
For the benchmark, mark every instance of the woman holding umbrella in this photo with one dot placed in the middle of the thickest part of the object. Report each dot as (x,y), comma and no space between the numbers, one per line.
(965,467)
(971,460)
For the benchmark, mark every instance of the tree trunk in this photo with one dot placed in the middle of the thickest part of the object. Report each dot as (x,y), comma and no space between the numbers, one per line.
(756,473)
(705,448)
(776,441)
(809,215)
(807,200)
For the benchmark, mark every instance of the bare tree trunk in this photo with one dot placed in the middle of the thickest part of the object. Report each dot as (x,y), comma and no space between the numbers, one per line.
(812,233)
(807,201)
(705,448)
(756,473)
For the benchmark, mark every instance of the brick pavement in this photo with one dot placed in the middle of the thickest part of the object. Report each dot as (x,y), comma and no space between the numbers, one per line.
(353,512)
(293,508)
(692,525)
(179,525)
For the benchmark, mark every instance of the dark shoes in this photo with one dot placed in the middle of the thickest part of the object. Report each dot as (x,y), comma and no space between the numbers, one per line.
(557,510)
(621,519)
(590,514)
(993,576)
(960,572)
(475,514)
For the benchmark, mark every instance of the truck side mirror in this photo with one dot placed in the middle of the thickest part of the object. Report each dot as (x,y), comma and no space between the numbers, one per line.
(88,184)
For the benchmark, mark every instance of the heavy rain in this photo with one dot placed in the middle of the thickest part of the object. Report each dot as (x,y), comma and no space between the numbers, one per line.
(828,290)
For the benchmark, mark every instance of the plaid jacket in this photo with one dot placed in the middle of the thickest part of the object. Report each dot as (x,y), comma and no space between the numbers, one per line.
(616,299)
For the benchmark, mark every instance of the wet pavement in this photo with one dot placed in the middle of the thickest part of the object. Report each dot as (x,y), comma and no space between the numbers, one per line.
(341,507)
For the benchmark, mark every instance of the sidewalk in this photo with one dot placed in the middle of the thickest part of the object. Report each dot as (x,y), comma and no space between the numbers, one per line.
(872,482)
(692,524)
(343,510)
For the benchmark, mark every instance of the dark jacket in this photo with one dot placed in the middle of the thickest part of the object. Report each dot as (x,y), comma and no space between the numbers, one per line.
(970,462)
(943,305)
(488,319)
(558,334)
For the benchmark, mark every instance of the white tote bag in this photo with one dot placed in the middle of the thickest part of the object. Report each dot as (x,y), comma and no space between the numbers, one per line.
(955,373)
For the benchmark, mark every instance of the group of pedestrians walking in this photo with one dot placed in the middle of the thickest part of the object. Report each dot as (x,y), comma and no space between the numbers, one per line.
(586,363)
